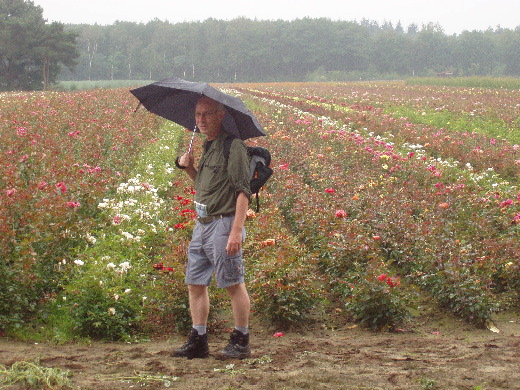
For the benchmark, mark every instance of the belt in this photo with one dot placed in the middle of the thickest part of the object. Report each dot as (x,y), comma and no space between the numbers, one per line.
(212,218)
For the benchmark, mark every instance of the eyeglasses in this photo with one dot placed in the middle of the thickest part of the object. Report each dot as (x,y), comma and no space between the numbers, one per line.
(199,115)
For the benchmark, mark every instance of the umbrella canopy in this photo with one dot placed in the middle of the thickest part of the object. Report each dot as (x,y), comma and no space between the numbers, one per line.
(175,99)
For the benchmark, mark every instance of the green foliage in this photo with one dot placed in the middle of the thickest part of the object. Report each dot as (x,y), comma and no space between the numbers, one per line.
(459,122)
(31,60)
(311,49)
(358,193)
(100,308)
(376,300)
(469,82)
(97,84)
(16,297)
(32,375)
(283,282)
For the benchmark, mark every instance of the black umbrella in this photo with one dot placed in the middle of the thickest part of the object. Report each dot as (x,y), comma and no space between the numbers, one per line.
(175,99)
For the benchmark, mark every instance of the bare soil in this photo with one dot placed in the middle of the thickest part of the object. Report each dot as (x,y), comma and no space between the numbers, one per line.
(435,352)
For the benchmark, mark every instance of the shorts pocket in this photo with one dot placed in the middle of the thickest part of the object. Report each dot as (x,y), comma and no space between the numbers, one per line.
(233,269)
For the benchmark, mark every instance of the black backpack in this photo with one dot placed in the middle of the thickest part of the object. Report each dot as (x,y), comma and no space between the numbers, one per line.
(259,161)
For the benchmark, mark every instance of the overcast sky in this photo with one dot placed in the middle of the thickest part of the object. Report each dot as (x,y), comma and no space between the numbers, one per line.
(454,16)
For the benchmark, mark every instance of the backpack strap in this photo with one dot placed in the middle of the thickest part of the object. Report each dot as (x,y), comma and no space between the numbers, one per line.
(226,150)
(227,145)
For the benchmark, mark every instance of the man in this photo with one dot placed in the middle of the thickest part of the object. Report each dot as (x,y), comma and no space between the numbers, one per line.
(221,201)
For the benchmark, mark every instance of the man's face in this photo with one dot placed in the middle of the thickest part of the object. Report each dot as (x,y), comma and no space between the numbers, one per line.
(208,117)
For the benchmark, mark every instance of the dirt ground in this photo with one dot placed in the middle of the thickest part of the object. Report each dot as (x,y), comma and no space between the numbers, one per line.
(433,352)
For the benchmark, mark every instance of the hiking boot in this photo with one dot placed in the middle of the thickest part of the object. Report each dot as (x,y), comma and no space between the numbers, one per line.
(238,347)
(195,347)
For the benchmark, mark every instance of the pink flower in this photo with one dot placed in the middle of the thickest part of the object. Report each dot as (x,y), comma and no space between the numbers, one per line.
(42,185)
(493,141)
(24,158)
(62,187)
(11,192)
(283,167)
(278,334)
(73,205)
(341,214)
(146,186)
(506,203)
(330,190)
(116,220)
(381,277)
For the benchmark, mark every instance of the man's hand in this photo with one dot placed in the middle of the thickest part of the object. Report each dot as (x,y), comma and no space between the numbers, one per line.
(186,160)
(235,237)
(234,243)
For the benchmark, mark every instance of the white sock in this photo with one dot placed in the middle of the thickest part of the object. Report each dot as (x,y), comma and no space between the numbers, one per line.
(243,329)
(201,329)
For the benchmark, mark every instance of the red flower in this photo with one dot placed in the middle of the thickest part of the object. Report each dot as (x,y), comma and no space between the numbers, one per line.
(341,214)
(381,277)
(330,190)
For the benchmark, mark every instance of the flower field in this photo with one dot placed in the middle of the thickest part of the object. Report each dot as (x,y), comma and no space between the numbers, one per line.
(384,195)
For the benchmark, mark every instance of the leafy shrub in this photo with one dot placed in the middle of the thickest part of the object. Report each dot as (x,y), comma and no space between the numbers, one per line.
(377,300)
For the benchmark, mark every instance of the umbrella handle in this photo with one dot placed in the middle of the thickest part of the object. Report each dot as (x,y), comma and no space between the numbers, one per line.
(192,137)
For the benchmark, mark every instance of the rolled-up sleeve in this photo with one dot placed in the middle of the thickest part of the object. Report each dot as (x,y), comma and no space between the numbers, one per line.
(238,168)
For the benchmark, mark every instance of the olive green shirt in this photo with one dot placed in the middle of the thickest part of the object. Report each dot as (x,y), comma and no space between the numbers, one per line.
(218,183)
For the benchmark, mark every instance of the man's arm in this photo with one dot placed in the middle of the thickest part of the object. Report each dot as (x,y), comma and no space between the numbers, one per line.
(235,237)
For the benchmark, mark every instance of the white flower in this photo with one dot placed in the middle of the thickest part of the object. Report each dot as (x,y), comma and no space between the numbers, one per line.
(127,235)
(125,266)
(112,311)
(128,290)
(78,262)
(116,297)
(111,266)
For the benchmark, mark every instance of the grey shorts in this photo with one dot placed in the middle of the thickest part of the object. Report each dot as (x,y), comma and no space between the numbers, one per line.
(207,255)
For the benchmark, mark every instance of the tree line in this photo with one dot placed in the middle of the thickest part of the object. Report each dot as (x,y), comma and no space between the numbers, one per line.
(34,54)
(243,50)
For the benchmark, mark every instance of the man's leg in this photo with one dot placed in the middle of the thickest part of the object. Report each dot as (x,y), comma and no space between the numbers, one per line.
(199,304)
(238,347)
(197,344)
(240,304)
